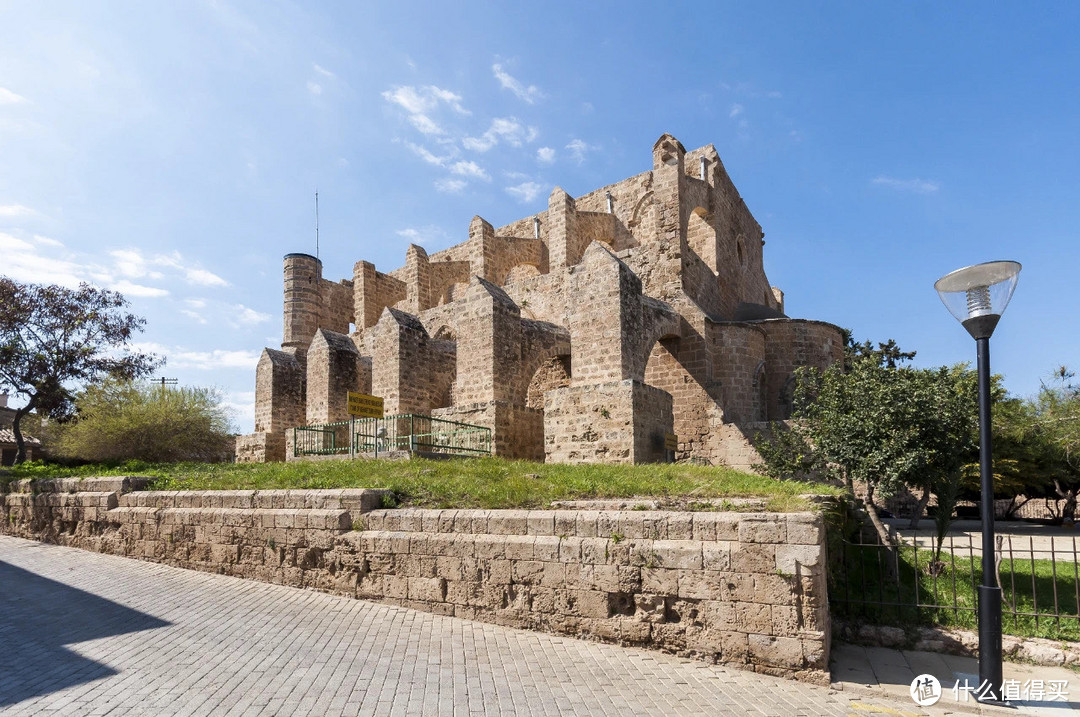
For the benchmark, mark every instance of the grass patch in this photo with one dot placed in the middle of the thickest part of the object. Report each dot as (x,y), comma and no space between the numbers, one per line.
(471,483)
(868,585)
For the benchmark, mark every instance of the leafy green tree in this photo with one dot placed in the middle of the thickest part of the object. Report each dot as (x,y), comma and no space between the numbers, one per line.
(873,419)
(124,420)
(54,340)
(1040,443)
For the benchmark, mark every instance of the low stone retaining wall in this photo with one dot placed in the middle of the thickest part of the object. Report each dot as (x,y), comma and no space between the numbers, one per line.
(741,589)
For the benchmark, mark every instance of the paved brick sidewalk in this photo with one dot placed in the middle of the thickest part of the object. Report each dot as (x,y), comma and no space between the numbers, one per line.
(89,634)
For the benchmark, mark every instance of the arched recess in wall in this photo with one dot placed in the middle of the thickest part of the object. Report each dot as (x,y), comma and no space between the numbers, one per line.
(761,394)
(701,237)
(443,364)
(553,372)
(695,411)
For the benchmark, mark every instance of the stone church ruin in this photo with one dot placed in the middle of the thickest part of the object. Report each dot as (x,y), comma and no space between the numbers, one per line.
(588,332)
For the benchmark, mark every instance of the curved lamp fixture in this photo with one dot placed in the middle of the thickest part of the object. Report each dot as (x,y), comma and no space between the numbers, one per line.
(977,295)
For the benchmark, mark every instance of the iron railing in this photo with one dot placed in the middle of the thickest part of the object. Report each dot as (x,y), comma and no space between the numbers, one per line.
(909,584)
(411,432)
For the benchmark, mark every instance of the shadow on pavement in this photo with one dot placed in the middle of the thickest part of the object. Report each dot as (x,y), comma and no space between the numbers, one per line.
(38,617)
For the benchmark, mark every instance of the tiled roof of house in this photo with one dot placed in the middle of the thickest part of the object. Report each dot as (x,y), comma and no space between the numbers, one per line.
(8,436)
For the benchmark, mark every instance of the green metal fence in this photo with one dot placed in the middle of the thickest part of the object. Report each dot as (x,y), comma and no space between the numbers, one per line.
(405,432)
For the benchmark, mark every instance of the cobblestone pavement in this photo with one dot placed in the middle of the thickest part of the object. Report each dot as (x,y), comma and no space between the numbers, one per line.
(89,634)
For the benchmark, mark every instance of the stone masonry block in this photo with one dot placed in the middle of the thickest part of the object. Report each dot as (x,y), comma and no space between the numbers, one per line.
(791,557)
(763,529)
(677,554)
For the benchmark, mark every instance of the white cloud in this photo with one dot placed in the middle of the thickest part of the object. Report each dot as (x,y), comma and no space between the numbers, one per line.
(736,110)
(46,241)
(323,71)
(424,100)
(196,303)
(427,155)
(422,235)
(249,317)
(503,129)
(314,88)
(545,155)
(919,186)
(470,169)
(7,97)
(425,125)
(578,149)
(196,316)
(179,357)
(16,210)
(525,192)
(127,288)
(450,186)
(202,277)
(22,262)
(131,263)
(528,94)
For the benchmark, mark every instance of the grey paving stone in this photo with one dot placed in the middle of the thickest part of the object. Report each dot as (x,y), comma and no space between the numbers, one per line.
(88,634)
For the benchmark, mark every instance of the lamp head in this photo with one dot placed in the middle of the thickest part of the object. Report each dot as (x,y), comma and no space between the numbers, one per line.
(977,295)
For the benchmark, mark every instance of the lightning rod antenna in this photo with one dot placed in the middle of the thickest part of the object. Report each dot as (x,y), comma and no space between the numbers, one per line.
(316,223)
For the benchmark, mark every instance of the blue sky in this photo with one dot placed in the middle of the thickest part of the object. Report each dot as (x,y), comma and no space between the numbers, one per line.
(172,150)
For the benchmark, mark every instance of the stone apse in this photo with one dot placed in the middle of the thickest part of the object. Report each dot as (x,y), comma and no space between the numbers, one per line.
(582,333)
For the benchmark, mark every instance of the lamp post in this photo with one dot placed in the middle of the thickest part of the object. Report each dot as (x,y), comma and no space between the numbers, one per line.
(977,296)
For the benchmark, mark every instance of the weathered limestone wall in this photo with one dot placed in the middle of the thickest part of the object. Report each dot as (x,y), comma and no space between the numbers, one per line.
(742,589)
(792,343)
(615,422)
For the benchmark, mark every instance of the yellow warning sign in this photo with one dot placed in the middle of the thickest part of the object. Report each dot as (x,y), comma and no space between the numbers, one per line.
(671,442)
(363,406)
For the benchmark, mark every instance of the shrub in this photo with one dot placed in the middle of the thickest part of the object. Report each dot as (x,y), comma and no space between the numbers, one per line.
(125,421)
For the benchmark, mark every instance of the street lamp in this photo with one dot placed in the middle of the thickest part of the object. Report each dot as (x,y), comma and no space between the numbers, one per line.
(977,296)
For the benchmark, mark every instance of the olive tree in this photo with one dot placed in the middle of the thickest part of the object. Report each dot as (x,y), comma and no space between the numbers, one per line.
(53,340)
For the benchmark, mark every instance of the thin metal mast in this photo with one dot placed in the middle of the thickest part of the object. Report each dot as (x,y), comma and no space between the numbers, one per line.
(316,223)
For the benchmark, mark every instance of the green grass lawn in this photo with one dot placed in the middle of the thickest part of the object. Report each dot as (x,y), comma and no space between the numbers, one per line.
(467,483)
(865,585)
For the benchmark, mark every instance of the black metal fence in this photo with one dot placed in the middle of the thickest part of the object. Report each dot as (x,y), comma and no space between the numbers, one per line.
(915,584)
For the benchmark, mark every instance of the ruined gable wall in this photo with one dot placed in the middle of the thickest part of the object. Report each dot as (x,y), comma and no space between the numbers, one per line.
(336,305)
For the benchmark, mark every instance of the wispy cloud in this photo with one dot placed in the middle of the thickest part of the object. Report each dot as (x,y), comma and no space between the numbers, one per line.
(469,169)
(194,316)
(202,277)
(180,357)
(133,264)
(46,241)
(7,97)
(246,316)
(422,235)
(424,100)
(736,110)
(503,129)
(545,155)
(525,192)
(428,156)
(528,94)
(323,71)
(918,186)
(16,210)
(314,88)
(578,149)
(128,288)
(450,186)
